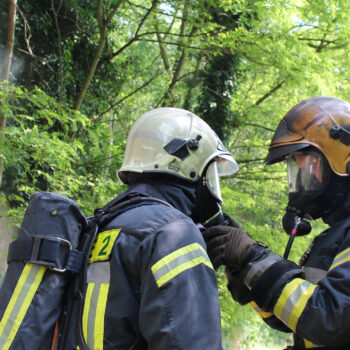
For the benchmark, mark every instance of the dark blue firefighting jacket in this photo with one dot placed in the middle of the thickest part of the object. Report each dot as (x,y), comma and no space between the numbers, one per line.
(150,284)
(312,302)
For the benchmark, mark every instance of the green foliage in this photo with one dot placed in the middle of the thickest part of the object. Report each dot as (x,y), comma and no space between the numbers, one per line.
(49,147)
(240,64)
(219,81)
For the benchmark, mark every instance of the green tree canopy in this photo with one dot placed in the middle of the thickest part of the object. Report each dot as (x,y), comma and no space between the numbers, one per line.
(83,71)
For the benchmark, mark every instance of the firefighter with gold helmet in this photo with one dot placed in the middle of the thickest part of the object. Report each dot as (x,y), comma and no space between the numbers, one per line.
(150,282)
(312,298)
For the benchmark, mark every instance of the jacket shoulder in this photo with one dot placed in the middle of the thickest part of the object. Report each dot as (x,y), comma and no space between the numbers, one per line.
(148,218)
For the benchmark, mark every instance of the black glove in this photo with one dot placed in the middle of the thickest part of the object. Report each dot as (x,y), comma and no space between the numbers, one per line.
(227,245)
(237,287)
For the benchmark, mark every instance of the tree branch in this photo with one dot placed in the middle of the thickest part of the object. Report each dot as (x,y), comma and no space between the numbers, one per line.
(168,95)
(257,160)
(26,28)
(176,44)
(190,89)
(162,49)
(158,11)
(55,14)
(103,33)
(127,96)
(136,35)
(258,126)
(261,178)
(35,57)
(269,93)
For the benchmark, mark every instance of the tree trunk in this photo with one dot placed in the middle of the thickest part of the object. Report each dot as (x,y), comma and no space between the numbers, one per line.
(7,64)
(9,40)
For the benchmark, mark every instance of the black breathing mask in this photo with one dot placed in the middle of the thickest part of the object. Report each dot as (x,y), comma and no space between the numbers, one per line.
(290,219)
(207,209)
(308,178)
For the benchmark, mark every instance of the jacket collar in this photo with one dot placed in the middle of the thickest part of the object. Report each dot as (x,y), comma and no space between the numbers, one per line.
(179,195)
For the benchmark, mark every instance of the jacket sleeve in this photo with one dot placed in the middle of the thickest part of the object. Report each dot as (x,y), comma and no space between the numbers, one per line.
(179,304)
(320,313)
(270,319)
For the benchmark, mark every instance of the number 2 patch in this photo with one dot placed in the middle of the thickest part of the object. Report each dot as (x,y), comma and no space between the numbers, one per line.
(103,245)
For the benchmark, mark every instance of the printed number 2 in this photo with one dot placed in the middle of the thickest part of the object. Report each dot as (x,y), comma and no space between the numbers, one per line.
(103,249)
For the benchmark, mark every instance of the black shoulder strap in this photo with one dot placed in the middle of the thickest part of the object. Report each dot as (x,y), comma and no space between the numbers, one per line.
(74,293)
(100,212)
(108,213)
(100,218)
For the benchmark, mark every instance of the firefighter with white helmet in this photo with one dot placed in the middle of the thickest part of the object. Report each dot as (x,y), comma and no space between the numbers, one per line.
(311,299)
(150,283)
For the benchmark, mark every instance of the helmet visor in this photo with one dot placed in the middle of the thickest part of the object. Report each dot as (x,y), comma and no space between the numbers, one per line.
(305,171)
(224,165)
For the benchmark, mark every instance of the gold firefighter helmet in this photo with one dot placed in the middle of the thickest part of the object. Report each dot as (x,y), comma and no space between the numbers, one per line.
(320,122)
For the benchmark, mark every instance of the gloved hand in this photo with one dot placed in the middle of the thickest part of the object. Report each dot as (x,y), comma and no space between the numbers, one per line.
(237,287)
(227,245)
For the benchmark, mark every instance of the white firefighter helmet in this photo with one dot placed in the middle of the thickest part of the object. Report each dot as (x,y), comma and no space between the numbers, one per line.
(177,142)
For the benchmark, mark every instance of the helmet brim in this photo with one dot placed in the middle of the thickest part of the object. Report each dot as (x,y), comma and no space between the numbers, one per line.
(278,154)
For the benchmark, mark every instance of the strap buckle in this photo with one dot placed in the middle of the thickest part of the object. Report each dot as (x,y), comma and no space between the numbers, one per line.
(37,240)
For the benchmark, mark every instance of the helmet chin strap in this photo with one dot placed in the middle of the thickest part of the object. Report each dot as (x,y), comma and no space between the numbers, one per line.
(217,219)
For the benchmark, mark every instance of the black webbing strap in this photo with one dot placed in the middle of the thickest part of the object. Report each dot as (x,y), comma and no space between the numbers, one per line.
(110,211)
(53,252)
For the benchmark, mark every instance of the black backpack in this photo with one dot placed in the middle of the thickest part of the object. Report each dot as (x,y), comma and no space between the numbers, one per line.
(42,295)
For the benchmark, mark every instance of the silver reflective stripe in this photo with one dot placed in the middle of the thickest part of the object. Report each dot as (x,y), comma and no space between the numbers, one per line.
(179,261)
(19,303)
(99,272)
(313,274)
(92,316)
(341,258)
(292,301)
(256,268)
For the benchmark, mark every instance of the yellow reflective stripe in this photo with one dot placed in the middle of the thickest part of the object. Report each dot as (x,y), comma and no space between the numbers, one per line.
(87,302)
(341,258)
(260,311)
(181,268)
(175,254)
(308,344)
(300,306)
(19,303)
(286,292)
(94,314)
(178,261)
(292,301)
(100,316)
